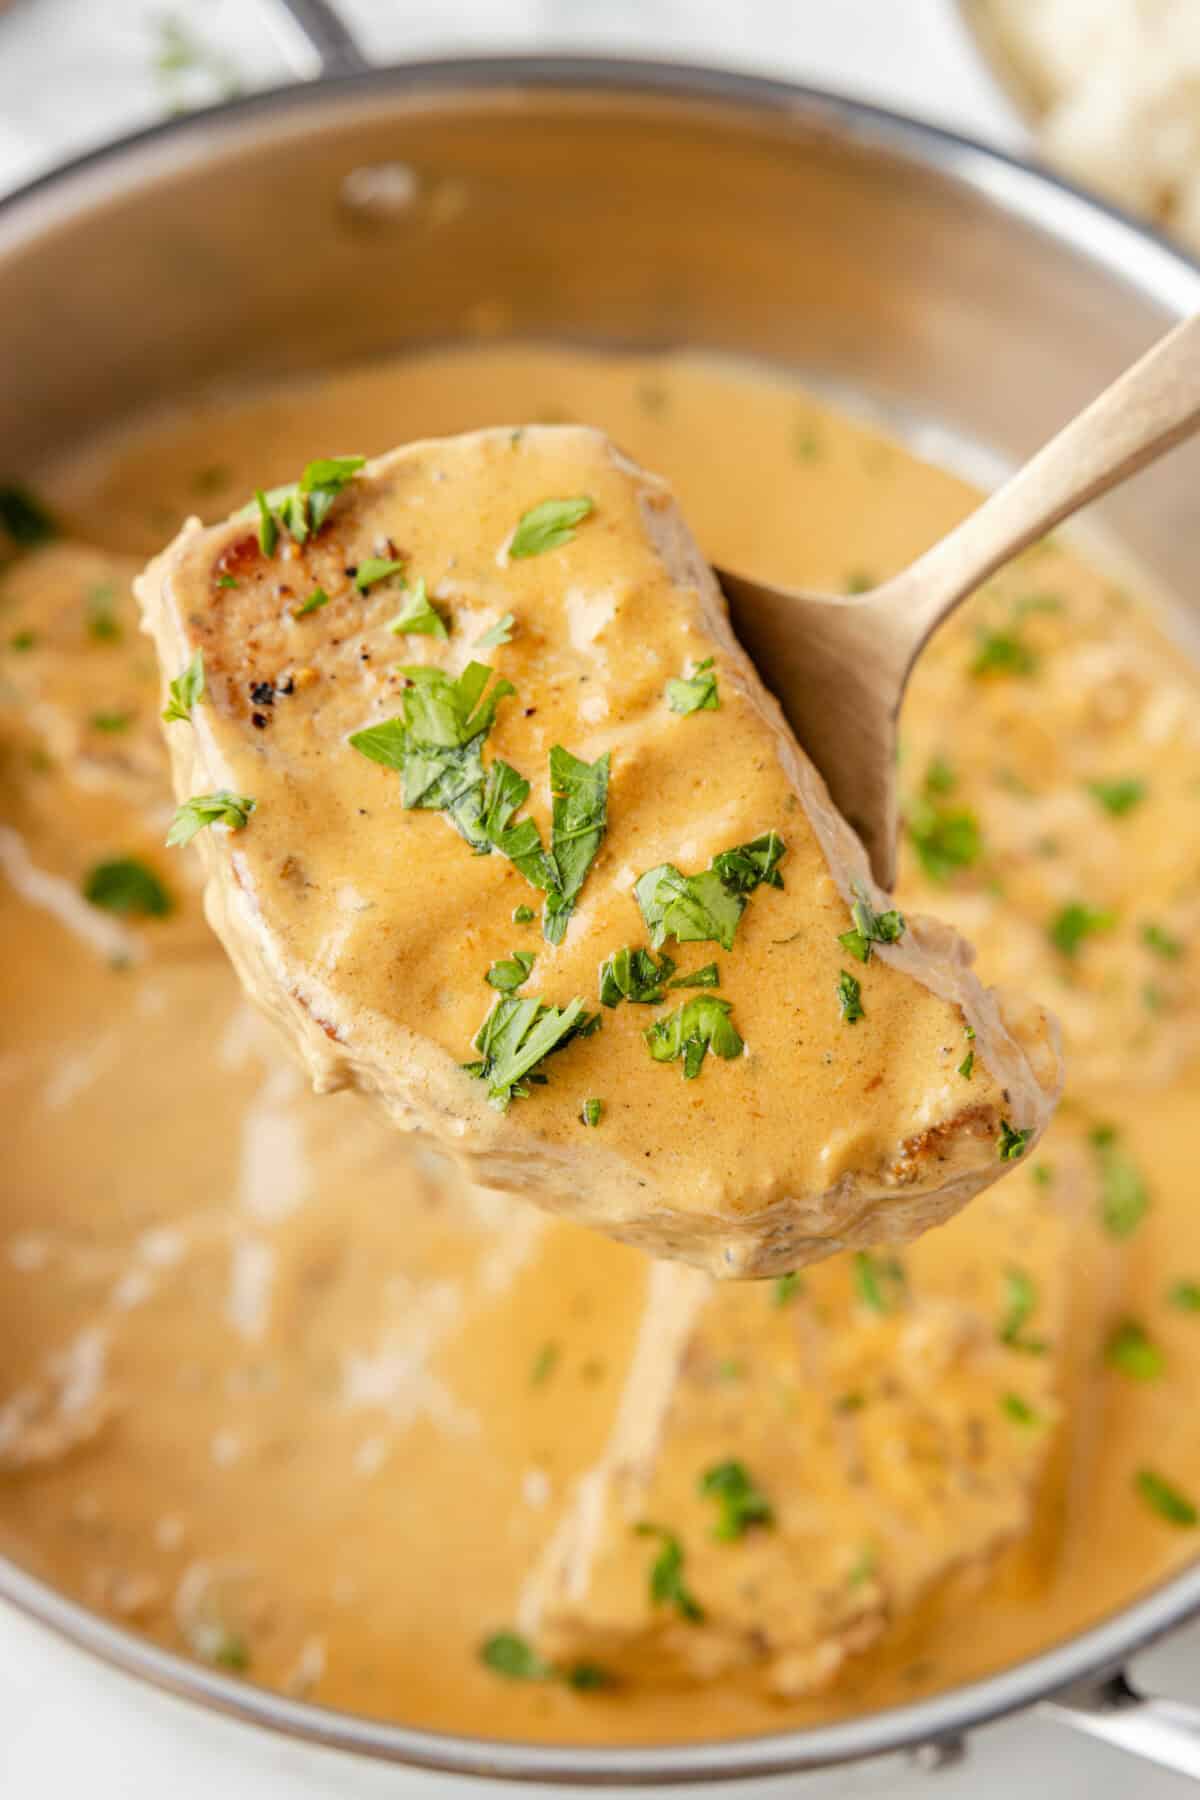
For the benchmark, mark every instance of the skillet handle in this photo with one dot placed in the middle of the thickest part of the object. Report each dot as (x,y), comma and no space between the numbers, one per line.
(315,38)
(1163,1732)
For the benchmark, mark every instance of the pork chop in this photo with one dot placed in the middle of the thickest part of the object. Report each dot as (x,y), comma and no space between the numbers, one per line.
(500,824)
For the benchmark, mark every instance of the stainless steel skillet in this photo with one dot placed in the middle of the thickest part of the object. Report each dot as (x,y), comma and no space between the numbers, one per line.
(610,203)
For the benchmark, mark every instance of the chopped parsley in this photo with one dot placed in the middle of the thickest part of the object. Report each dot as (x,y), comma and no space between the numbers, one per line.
(1020,1304)
(740,1504)
(667,1584)
(419,617)
(22,640)
(1003,653)
(699,908)
(870,928)
(785,1288)
(634,975)
(230,581)
(500,633)
(946,839)
(849,994)
(1131,1351)
(202,810)
(517,1035)
(578,823)
(1185,1295)
(1019,1410)
(544,1364)
(879,1281)
(696,692)
(706,977)
(111,722)
(507,1653)
(102,622)
(592,1112)
(126,886)
(860,581)
(1013,1143)
(1120,796)
(1165,1499)
(966,1067)
(523,915)
(316,600)
(303,506)
(1123,1195)
(547,527)
(23,518)
(185,691)
(1161,941)
(232,1653)
(1075,923)
(374,569)
(507,976)
(700,1025)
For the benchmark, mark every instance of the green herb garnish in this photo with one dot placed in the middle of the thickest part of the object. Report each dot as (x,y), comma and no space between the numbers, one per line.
(509,975)
(420,616)
(1185,1295)
(303,506)
(202,810)
(592,1112)
(667,1585)
(1123,1195)
(785,1288)
(870,928)
(232,1653)
(1131,1351)
(517,1035)
(578,822)
(1013,1142)
(21,641)
(547,527)
(185,691)
(23,518)
(740,1504)
(706,977)
(700,1025)
(946,840)
(126,886)
(634,975)
(1003,653)
(880,1281)
(1075,923)
(500,633)
(230,581)
(1163,944)
(1166,1500)
(696,692)
(708,906)
(508,1654)
(523,915)
(316,600)
(1120,796)
(1020,1304)
(374,569)
(1019,1410)
(111,722)
(966,1067)
(849,994)
(102,622)
(544,1364)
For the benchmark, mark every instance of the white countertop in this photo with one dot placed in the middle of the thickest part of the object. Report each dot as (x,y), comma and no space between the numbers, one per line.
(73,72)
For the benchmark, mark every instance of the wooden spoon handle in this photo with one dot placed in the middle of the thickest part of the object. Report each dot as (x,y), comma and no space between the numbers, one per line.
(1153,406)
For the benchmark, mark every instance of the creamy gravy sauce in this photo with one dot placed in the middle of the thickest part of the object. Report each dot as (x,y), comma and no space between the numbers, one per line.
(277,1392)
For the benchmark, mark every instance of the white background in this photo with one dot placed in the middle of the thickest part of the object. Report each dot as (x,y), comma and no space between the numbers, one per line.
(73,72)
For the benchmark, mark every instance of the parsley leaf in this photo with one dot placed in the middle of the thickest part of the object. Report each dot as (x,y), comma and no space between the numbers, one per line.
(186,691)
(1124,1199)
(508,1654)
(128,887)
(1166,1500)
(419,616)
(523,915)
(1162,942)
(706,977)
(633,975)
(593,1112)
(579,821)
(696,692)
(849,993)
(880,1281)
(111,722)
(1075,923)
(374,569)
(500,633)
(202,810)
(316,600)
(1013,1143)
(547,527)
(870,928)
(946,840)
(1131,1351)
(1019,1410)
(102,622)
(698,908)
(786,1288)
(508,975)
(700,1025)
(517,1035)
(1120,796)
(739,1503)
(1185,1295)
(303,506)
(966,1067)
(23,518)
(1021,1299)
(667,1585)
(1003,653)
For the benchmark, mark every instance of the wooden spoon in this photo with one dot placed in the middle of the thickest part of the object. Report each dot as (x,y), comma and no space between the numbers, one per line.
(839,664)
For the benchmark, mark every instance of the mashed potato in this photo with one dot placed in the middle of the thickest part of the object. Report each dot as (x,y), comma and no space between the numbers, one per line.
(1116,88)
